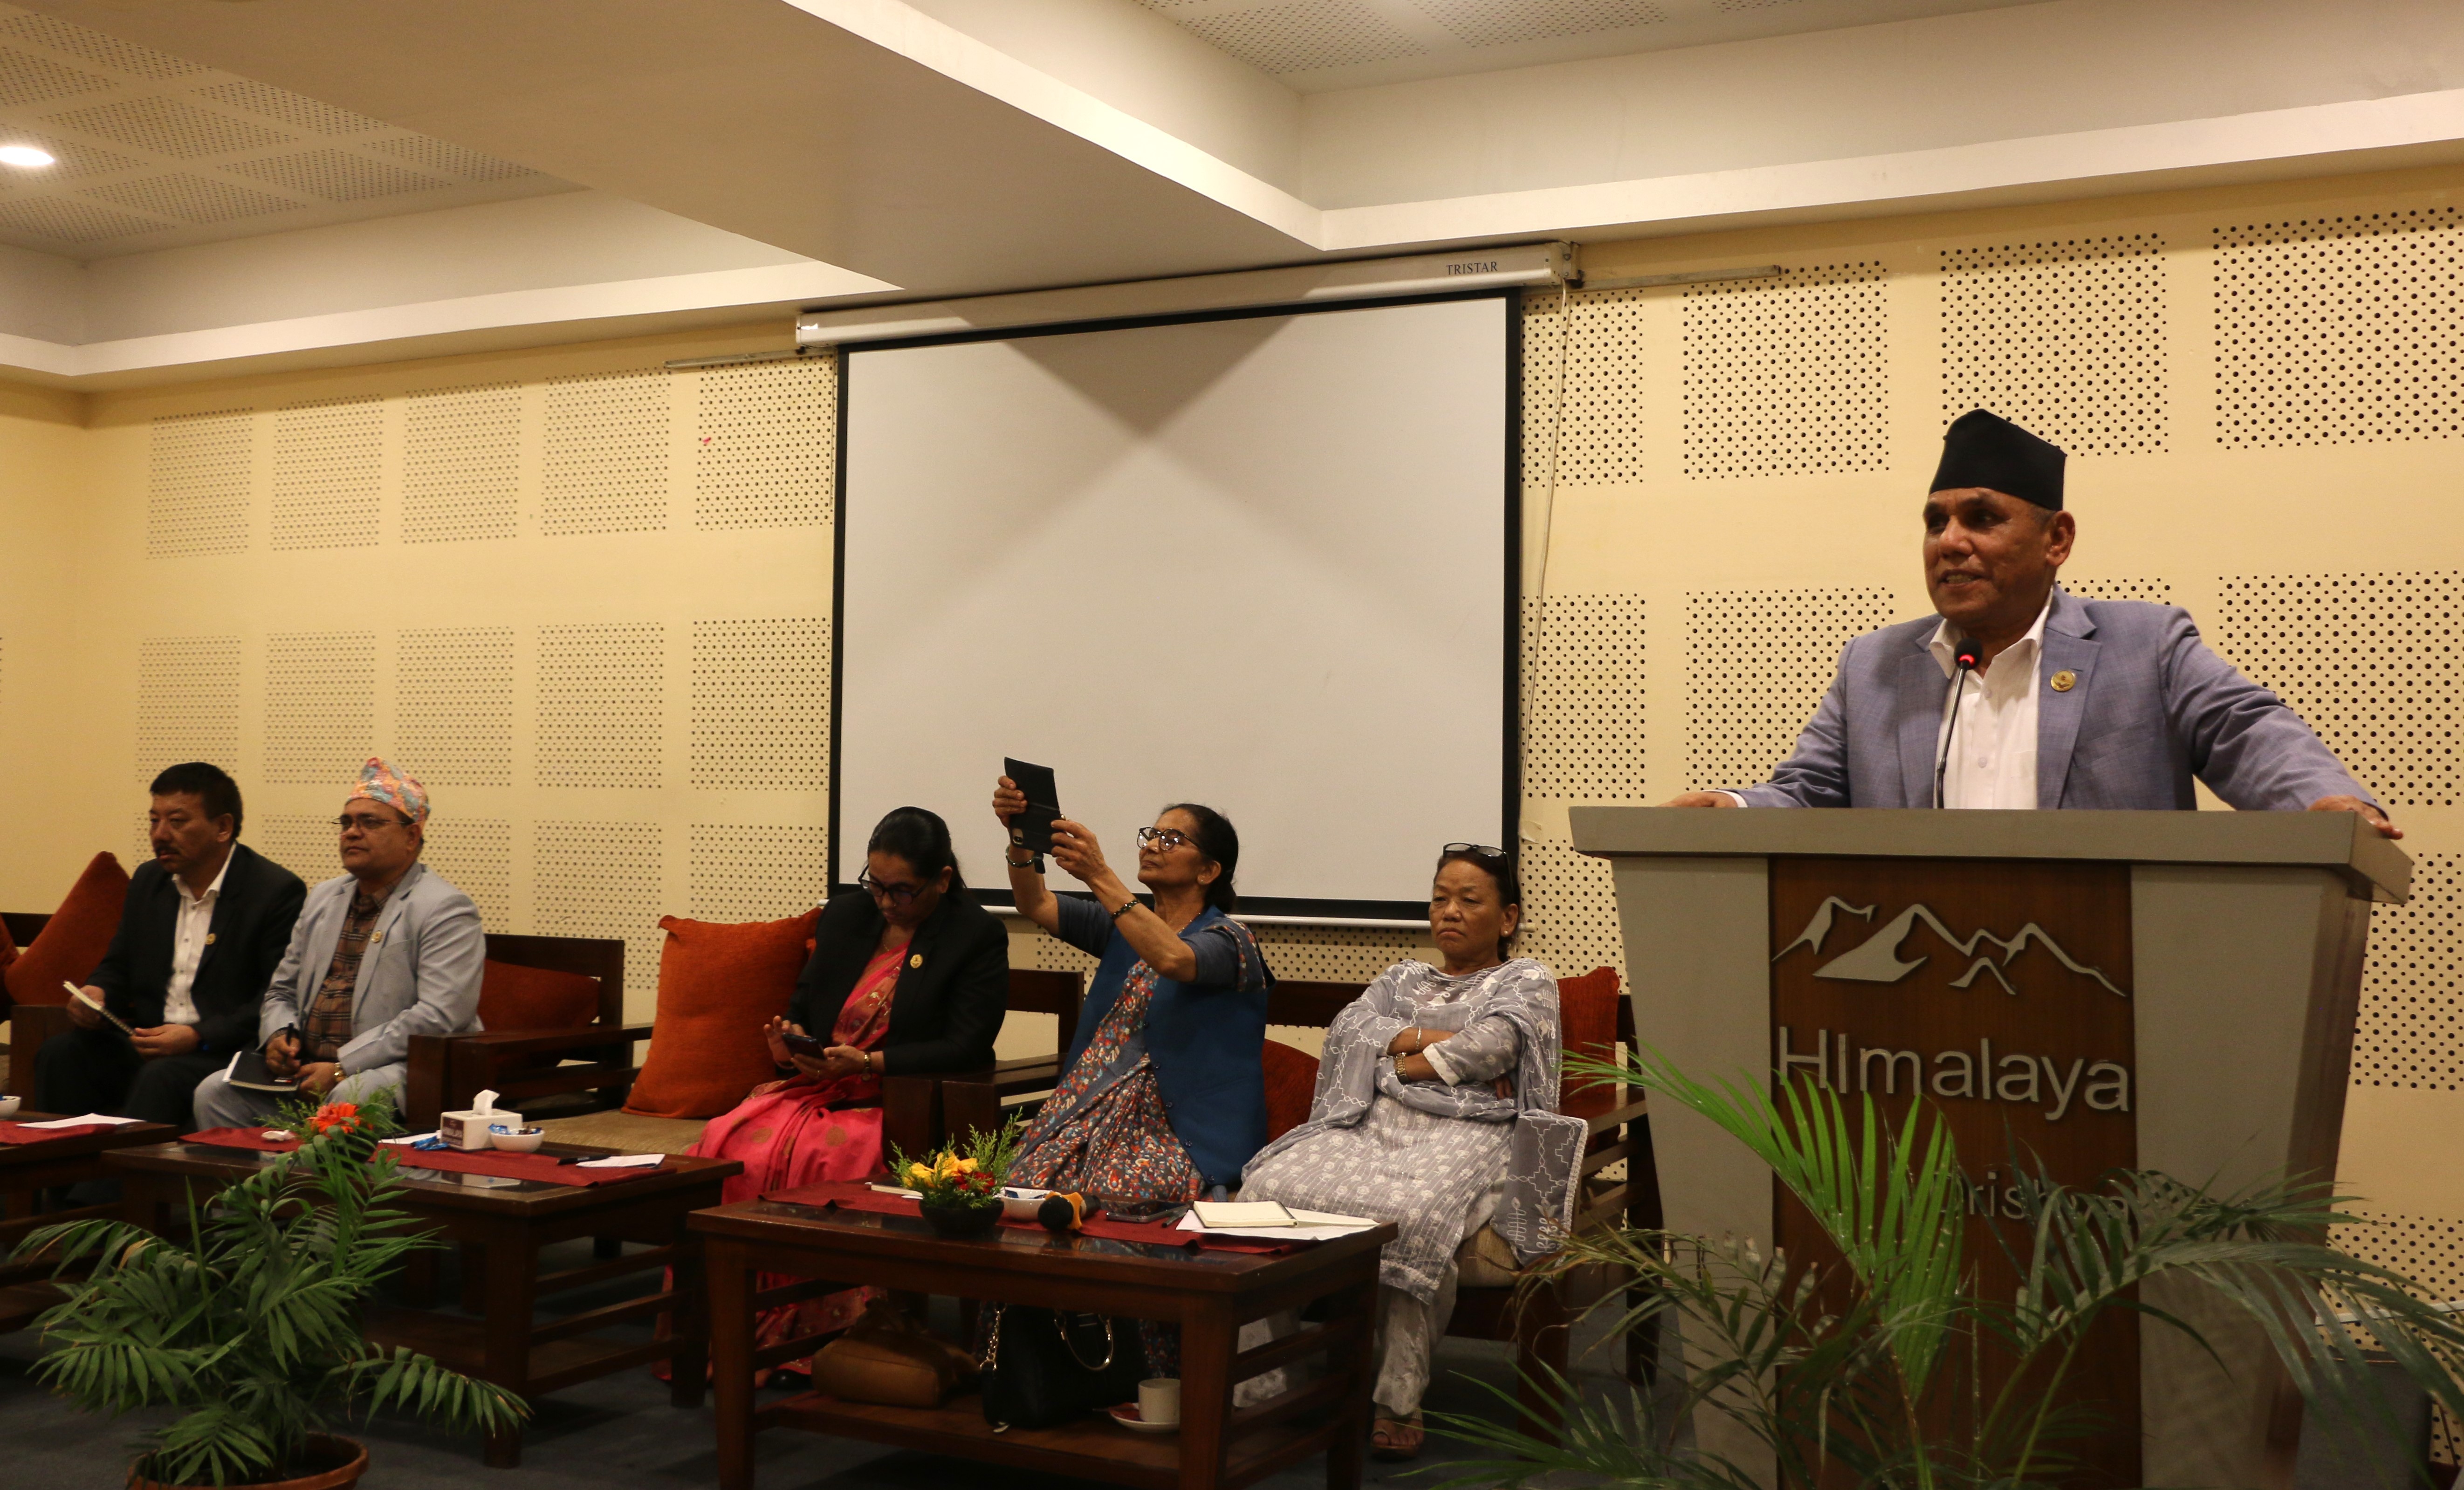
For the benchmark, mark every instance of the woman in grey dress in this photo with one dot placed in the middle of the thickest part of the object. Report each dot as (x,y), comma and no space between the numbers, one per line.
(1435,1110)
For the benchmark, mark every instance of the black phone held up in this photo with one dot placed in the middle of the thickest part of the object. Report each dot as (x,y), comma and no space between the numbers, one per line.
(1031,829)
(803,1045)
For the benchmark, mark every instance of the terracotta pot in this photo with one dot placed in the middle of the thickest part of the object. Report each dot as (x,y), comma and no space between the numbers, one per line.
(350,1455)
(959,1222)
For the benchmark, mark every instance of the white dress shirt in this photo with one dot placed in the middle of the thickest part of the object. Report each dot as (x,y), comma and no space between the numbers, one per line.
(1993,760)
(189,930)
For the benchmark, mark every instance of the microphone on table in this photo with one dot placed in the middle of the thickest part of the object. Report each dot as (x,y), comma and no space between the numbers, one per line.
(1963,661)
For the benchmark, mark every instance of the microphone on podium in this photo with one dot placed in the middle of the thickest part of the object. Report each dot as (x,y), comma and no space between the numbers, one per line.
(1965,658)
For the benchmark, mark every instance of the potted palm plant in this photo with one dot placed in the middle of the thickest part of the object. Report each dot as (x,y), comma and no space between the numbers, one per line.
(1838,1371)
(249,1328)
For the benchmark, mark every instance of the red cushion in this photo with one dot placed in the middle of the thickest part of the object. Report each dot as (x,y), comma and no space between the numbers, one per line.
(1291,1080)
(8,946)
(1587,1008)
(75,938)
(516,998)
(719,985)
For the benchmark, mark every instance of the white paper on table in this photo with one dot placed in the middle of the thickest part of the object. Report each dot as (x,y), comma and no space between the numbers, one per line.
(1315,1226)
(407,1139)
(87,1121)
(622,1161)
(893,1190)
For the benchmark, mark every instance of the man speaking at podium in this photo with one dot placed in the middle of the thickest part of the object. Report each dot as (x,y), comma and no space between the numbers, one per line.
(2024,695)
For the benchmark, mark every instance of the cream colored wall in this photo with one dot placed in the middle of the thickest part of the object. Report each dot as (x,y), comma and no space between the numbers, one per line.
(1739,469)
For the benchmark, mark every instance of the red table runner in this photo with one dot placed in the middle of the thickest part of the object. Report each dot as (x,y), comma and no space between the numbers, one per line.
(476,1161)
(857,1196)
(20,1133)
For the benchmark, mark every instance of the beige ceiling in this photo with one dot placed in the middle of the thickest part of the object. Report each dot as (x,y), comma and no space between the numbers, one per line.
(155,151)
(1320,45)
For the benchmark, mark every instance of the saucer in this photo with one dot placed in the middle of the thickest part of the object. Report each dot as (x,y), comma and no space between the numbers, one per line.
(1127,1415)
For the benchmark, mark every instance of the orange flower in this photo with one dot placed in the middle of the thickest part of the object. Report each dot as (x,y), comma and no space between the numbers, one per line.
(343,1115)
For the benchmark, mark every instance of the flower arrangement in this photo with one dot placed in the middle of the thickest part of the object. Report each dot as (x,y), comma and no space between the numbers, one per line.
(958,1187)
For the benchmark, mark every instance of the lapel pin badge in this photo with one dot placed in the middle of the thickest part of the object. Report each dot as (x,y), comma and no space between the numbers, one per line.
(2064,681)
(915,959)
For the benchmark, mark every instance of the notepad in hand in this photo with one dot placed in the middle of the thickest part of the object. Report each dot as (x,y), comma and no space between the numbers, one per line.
(1215,1214)
(248,1071)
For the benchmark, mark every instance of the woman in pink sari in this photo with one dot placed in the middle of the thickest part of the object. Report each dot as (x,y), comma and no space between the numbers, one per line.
(908,978)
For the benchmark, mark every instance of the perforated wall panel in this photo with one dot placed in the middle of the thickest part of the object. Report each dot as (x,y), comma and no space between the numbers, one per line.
(601,696)
(1569,910)
(1331,955)
(1583,692)
(761,703)
(187,702)
(2157,591)
(453,704)
(328,473)
(2410,1032)
(197,487)
(305,843)
(1787,375)
(746,872)
(2430,1251)
(2370,660)
(766,455)
(2339,329)
(476,856)
(320,697)
(462,451)
(1600,413)
(2063,335)
(1756,665)
(606,454)
(601,879)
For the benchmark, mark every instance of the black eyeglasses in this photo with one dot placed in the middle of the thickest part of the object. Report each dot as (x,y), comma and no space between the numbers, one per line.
(368,822)
(1165,839)
(895,894)
(1476,850)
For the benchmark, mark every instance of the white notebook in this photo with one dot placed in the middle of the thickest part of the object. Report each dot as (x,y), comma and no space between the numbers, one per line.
(1215,1214)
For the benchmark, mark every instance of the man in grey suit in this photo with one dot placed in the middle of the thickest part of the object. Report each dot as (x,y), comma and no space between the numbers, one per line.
(2023,695)
(386,952)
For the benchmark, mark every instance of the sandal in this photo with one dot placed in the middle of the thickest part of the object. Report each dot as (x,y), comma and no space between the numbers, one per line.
(1396,1440)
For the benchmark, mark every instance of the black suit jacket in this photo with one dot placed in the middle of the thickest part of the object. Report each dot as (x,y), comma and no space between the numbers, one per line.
(250,931)
(950,1003)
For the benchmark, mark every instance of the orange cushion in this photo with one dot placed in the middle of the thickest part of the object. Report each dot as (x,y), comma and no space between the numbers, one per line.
(1291,1080)
(1587,1008)
(75,938)
(719,985)
(516,998)
(8,946)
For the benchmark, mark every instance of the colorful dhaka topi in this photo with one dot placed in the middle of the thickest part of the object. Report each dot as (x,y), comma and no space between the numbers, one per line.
(380,782)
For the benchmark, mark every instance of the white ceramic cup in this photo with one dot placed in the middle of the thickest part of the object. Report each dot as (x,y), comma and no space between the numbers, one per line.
(7,1107)
(1160,1400)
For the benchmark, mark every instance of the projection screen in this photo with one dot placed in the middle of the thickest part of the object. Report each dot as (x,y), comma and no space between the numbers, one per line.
(1260,562)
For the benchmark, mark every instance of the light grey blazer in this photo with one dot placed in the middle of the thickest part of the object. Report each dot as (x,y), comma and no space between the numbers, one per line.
(2153,707)
(420,975)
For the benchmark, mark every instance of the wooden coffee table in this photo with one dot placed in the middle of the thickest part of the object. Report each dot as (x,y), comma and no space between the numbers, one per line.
(1210,1295)
(502,1224)
(25,1171)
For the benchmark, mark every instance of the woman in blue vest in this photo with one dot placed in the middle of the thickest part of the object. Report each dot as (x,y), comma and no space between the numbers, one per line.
(1162,1096)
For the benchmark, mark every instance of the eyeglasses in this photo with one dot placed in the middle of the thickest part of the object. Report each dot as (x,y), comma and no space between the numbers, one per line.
(895,894)
(1476,850)
(1165,839)
(367,822)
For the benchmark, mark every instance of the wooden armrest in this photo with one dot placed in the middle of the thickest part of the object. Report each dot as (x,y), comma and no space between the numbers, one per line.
(501,1044)
(446,1070)
(1617,1117)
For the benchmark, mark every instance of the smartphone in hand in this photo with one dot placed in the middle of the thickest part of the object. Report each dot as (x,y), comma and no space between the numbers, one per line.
(1033,828)
(803,1045)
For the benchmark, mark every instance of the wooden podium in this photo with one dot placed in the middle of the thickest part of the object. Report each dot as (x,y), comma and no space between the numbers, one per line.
(2171,991)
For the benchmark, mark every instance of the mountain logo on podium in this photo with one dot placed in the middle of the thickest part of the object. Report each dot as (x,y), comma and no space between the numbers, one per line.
(1877,958)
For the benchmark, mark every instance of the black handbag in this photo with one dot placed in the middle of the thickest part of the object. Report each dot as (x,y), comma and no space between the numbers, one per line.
(1042,1368)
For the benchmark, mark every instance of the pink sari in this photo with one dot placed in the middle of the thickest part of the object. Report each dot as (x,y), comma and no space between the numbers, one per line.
(797,1131)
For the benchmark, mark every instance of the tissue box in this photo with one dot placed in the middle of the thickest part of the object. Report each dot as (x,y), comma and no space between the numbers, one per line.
(470,1130)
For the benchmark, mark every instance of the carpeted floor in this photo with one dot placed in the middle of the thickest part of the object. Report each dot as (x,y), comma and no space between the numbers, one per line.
(620,1431)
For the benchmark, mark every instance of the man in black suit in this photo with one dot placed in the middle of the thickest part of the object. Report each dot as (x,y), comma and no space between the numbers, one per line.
(203,928)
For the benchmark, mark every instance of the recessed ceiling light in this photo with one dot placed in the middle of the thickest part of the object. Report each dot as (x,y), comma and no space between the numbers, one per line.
(23,155)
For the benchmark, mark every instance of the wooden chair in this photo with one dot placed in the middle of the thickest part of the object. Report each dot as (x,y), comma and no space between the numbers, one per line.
(447,1070)
(29,1024)
(1033,991)
(1495,1302)
(24,925)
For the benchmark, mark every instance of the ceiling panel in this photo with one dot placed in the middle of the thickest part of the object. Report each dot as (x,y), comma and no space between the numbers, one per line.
(156,151)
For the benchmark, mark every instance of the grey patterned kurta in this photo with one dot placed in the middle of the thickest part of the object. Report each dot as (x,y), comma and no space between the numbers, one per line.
(1421,1154)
